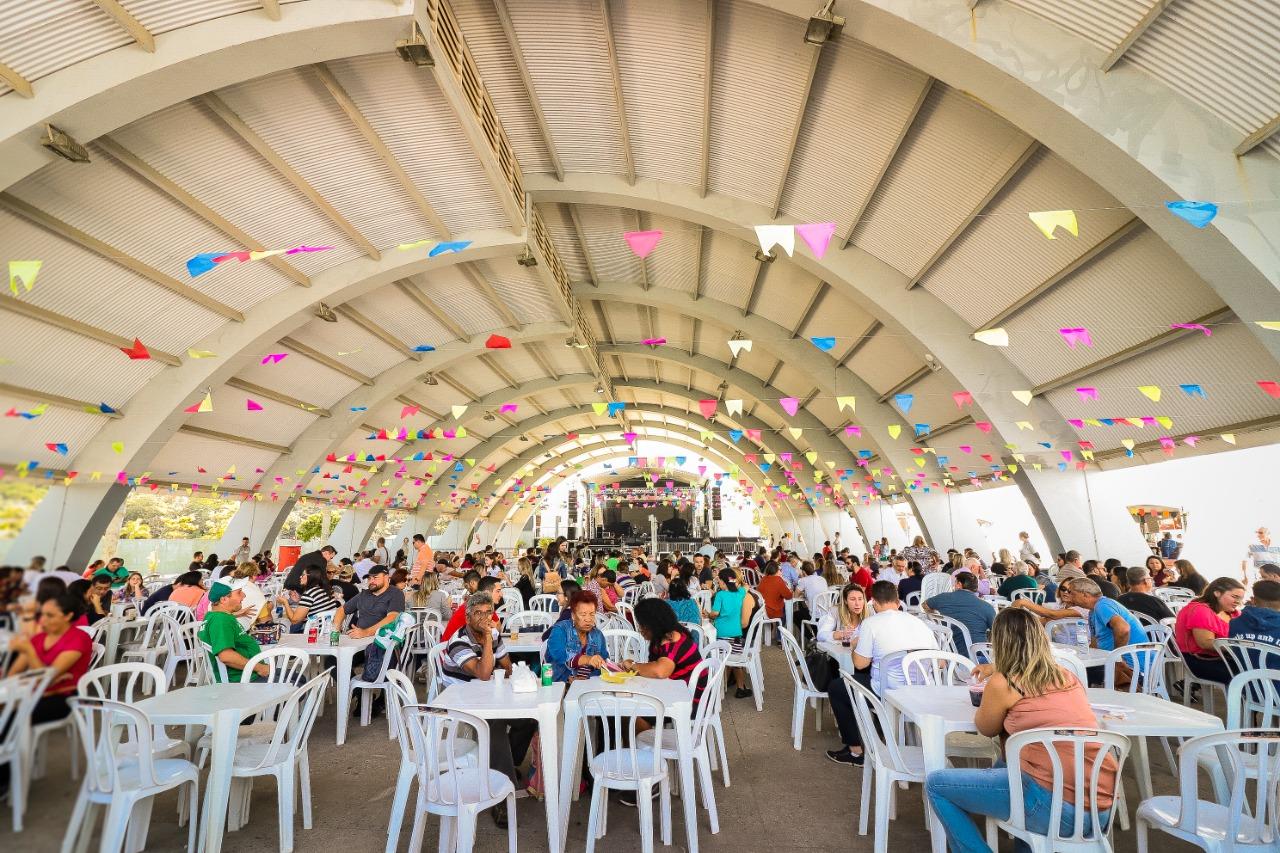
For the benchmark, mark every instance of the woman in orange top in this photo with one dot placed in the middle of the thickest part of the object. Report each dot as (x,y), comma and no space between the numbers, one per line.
(1025,689)
(774,590)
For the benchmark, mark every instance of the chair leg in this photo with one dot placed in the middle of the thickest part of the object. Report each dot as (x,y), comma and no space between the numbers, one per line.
(884,801)
(724,754)
(304,785)
(86,831)
(1140,831)
(139,824)
(193,797)
(864,809)
(419,824)
(703,766)
(78,813)
(664,812)
(797,719)
(114,825)
(644,805)
(285,795)
(448,834)
(512,843)
(465,823)
(817,714)
(18,776)
(398,803)
(598,791)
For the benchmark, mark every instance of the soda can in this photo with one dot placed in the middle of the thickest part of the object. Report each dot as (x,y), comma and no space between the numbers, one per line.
(334,637)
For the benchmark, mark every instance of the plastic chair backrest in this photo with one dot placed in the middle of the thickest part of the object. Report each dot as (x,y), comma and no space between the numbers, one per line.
(18,695)
(709,672)
(286,665)
(544,603)
(97,656)
(1173,593)
(213,668)
(824,601)
(435,677)
(1068,631)
(173,610)
(869,710)
(528,619)
(796,663)
(1071,661)
(912,601)
(959,631)
(1246,655)
(1036,596)
(698,634)
(703,597)
(104,727)
(1086,774)
(294,720)
(887,665)
(980,652)
(930,667)
(1252,762)
(436,736)
(123,682)
(626,612)
(1253,700)
(619,713)
(400,694)
(1147,662)
(626,645)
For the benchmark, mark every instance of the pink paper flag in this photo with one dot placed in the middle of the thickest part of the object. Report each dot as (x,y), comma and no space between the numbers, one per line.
(1190,441)
(408,411)
(753,434)
(642,242)
(853,430)
(962,398)
(509,407)
(1087,393)
(791,405)
(816,235)
(1076,422)
(1166,444)
(630,437)
(966,448)
(708,408)
(252,405)
(1270,387)
(1066,455)
(985,426)
(275,357)
(1207,331)
(654,342)
(1076,336)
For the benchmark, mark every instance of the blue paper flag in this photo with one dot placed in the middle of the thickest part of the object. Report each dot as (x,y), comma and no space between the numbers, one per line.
(359,408)
(614,408)
(922,429)
(904,401)
(943,460)
(865,454)
(454,246)
(1062,466)
(1193,390)
(765,466)
(105,409)
(419,456)
(736,435)
(1046,445)
(680,459)
(1198,213)
(824,344)
(202,263)
(424,348)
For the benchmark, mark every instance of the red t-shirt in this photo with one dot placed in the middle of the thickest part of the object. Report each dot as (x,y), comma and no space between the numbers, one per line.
(862,577)
(458,619)
(74,640)
(1197,614)
(774,590)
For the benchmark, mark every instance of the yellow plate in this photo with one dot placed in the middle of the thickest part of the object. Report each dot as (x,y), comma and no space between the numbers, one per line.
(616,677)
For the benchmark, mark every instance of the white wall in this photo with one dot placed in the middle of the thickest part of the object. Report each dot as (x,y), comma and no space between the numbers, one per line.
(1004,508)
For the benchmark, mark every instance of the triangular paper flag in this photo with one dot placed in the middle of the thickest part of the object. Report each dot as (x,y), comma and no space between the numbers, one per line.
(1075,336)
(796,432)
(1128,443)
(1193,390)
(642,242)
(1164,421)
(599,408)
(997,337)
(985,426)
(708,408)
(904,402)
(252,405)
(895,430)
(1229,437)
(816,235)
(1087,392)
(962,399)
(448,246)
(1198,213)
(201,353)
(777,235)
(1273,325)
(1023,397)
(24,273)
(117,446)
(614,407)
(509,408)
(1269,387)
(274,358)
(734,407)
(826,344)
(1048,220)
(790,405)
(137,351)
(1151,392)
(458,412)
(737,347)
(497,342)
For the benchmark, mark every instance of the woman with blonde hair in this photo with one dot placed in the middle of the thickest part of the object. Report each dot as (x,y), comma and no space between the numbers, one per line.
(1006,557)
(841,623)
(255,600)
(525,584)
(1025,689)
(432,598)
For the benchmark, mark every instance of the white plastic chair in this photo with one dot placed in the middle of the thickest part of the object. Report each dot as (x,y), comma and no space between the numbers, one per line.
(1239,821)
(1253,702)
(823,602)
(1072,662)
(934,667)
(749,657)
(626,612)
(703,598)
(957,628)
(153,643)
(401,695)
(284,756)
(913,601)
(1190,679)
(887,761)
(1068,632)
(1146,660)
(435,675)
(699,634)
(646,589)
(544,603)
(622,762)
(805,692)
(124,781)
(180,613)
(446,787)
(528,619)
(1173,594)
(364,689)
(1035,596)
(626,645)
(18,695)
(980,652)
(1247,655)
(1085,835)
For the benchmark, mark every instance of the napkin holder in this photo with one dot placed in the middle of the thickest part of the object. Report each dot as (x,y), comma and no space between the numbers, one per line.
(522,679)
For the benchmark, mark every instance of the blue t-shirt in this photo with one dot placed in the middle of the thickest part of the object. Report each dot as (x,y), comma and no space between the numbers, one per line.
(729,606)
(1103,612)
(969,610)
(686,610)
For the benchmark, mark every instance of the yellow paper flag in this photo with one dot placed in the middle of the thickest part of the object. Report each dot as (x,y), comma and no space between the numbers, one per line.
(1229,437)
(895,430)
(461,433)
(1023,397)
(1273,325)
(996,337)
(810,456)
(201,353)
(24,273)
(599,408)
(1025,425)
(458,411)
(1128,443)
(1048,220)
(1151,392)
(117,446)
(206,405)
(841,402)
(1164,421)
(1013,469)
(919,461)
(796,432)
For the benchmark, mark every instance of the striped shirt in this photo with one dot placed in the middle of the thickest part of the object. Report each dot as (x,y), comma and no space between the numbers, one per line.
(463,648)
(317,601)
(684,655)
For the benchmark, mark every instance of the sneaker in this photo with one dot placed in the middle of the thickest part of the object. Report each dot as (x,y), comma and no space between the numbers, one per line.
(628,798)
(499,813)
(845,756)
(743,692)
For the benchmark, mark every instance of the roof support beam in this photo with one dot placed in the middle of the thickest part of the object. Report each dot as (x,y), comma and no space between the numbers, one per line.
(535,352)
(119,256)
(457,386)
(260,391)
(58,400)
(604,320)
(815,53)
(233,439)
(699,282)
(377,331)
(934,434)
(144,170)
(272,8)
(696,325)
(814,302)
(480,283)
(1153,343)
(847,238)
(862,341)
(708,62)
(426,304)
(1258,137)
(513,43)
(644,264)
(618,99)
(905,384)
(1061,275)
(128,23)
(995,190)
(1134,34)
(762,267)
(380,148)
(492,363)
(1237,429)
(582,243)
(32,312)
(257,143)
(16,81)
(332,363)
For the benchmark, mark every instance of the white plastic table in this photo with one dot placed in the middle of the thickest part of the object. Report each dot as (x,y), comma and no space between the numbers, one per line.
(115,627)
(1088,655)
(488,701)
(788,614)
(342,654)
(219,708)
(678,700)
(529,642)
(840,653)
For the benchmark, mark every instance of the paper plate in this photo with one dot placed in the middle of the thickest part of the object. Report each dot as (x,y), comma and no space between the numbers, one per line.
(616,677)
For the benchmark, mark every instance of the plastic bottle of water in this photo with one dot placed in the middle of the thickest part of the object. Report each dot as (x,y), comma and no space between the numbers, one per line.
(1082,635)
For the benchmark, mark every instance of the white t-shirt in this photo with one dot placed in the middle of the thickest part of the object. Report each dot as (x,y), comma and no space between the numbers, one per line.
(887,632)
(812,586)
(362,568)
(889,574)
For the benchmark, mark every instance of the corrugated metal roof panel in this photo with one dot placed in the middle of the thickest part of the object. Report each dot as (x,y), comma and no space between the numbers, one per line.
(162,16)
(275,423)
(1103,22)
(729,268)
(610,255)
(91,289)
(23,440)
(36,356)
(569,64)
(1223,53)
(402,317)
(673,264)
(300,377)
(785,293)
(884,362)
(791,381)
(191,147)
(521,289)
(460,300)
(411,116)
(661,45)
(565,237)
(956,151)
(492,53)
(1226,365)
(1002,256)
(520,366)
(298,118)
(37,39)
(758,75)
(157,230)
(860,99)
(1089,299)
(349,344)
(839,317)
(184,453)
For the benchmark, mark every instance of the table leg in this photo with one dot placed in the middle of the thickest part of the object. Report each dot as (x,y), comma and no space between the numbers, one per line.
(549,737)
(343,708)
(933,741)
(688,791)
(568,755)
(224,732)
(1143,769)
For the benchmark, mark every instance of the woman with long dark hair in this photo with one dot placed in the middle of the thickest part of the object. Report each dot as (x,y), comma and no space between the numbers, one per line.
(1188,577)
(1204,620)
(727,610)
(673,652)
(317,599)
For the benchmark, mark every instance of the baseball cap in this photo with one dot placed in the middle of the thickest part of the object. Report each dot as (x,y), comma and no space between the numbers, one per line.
(378,570)
(224,586)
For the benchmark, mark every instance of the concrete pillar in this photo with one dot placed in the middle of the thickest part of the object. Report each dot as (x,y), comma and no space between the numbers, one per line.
(355,530)
(934,514)
(260,520)
(1064,509)
(67,525)
(449,540)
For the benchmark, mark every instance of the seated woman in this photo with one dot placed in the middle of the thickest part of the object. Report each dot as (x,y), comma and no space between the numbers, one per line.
(432,598)
(316,599)
(686,609)
(59,644)
(673,652)
(133,592)
(840,623)
(1204,620)
(564,594)
(96,594)
(1025,689)
(575,646)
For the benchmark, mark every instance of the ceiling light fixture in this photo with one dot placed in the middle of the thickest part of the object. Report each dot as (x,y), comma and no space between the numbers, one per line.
(527,258)
(61,143)
(430,379)
(824,25)
(599,389)
(575,342)
(414,49)
(490,416)
(765,259)
(324,312)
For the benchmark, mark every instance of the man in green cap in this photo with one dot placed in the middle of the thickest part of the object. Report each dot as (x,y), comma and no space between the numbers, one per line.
(222,632)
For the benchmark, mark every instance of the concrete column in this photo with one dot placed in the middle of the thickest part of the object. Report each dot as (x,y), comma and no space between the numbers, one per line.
(67,525)
(1063,509)
(354,530)
(260,520)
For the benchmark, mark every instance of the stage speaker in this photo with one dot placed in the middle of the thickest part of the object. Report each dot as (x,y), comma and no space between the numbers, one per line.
(573,508)
(715,504)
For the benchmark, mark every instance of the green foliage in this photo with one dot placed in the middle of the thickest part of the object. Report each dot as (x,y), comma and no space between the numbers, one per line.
(18,497)
(135,529)
(176,517)
(311,525)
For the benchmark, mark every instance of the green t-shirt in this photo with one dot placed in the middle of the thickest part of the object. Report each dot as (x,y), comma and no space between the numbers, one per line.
(612,563)
(118,577)
(223,631)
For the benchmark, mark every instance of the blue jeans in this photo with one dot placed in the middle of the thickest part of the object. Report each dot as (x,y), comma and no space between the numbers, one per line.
(956,794)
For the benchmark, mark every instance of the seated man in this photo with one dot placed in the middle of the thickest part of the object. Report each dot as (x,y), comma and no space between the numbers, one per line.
(228,641)
(378,604)
(1139,598)
(473,654)
(1259,620)
(964,605)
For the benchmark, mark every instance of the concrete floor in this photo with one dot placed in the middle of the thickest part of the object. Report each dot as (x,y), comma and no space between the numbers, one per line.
(779,799)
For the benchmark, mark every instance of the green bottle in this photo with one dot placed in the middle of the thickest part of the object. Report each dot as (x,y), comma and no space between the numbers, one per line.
(546,675)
